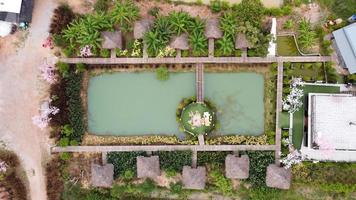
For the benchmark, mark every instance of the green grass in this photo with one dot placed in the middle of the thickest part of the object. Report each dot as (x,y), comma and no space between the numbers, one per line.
(286,46)
(284,120)
(298,117)
(339,8)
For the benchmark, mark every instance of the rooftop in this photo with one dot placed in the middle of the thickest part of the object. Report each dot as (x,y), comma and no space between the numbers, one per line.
(194,178)
(148,167)
(102,176)
(141,27)
(346,41)
(212,29)
(278,177)
(111,40)
(237,167)
(16,11)
(241,41)
(333,120)
(180,42)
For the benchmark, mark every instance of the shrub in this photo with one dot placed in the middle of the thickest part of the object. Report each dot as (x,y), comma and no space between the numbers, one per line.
(79,68)
(219,5)
(101,5)
(63,68)
(162,73)
(58,40)
(128,175)
(154,11)
(222,183)
(75,107)
(105,53)
(258,166)
(63,142)
(146,187)
(61,118)
(216,158)
(306,36)
(68,52)
(65,156)
(62,16)
(176,188)
(125,13)
(288,24)
(249,11)
(124,161)
(174,160)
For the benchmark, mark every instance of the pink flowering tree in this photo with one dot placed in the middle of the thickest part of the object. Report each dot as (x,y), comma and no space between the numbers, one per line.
(44,118)
(48,72)
(294,100)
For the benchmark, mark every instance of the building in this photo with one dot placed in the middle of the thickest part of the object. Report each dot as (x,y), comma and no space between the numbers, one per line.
(331,127)
(16,11)
(345,46)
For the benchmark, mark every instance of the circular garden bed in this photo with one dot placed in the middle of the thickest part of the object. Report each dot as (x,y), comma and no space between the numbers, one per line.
(197,118)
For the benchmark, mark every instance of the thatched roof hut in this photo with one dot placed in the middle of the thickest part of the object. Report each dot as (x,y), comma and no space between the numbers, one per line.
(102,176)
(212,29)
(111,40)
(241,41)
(180,42)
(141,27)
(148,167)
(194,178)
(237,167)
(278,177)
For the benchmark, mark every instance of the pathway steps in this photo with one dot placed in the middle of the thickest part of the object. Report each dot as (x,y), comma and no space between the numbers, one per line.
(278,111)
(199,82)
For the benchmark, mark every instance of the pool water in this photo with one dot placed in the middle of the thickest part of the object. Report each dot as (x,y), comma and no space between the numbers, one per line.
(128,104)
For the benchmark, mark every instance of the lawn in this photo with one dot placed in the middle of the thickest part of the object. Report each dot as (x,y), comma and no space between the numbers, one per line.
(286,46)
(284,120)
(298,118)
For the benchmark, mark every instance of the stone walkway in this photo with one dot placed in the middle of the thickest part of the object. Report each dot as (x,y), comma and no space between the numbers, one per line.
(199,82)
(190,60)
(279,110)
(128,148)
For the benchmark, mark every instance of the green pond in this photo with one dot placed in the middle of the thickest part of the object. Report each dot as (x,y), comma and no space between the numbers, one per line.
(127,104)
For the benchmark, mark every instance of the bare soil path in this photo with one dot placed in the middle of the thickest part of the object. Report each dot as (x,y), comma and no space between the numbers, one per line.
(21,91)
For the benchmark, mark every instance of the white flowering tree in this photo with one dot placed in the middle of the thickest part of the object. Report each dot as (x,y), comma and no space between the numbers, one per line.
(48,72)
(44,118)
(293,158)
(3,167)
(294,100)
(86,51)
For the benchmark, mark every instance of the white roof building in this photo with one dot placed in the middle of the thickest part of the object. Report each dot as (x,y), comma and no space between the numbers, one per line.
(331,127)
(13,6)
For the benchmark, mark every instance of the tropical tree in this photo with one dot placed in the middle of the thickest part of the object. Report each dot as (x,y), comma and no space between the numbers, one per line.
(249,10)
(125,13)
(180,22)
(226,45)
(228,24)
(154,44)
(198,42)
(306,36)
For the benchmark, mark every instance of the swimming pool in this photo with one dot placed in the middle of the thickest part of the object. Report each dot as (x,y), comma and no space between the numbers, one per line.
(128,104)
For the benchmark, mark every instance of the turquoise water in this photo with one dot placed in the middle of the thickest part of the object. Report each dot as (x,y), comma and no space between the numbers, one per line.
(138,104)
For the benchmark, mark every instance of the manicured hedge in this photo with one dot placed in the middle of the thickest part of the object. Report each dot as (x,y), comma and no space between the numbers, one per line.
(174,160)
(214,157)
(124,161)
(75,107)
(259,161)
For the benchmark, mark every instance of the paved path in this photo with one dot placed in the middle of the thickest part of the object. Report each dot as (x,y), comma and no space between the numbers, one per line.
(21,91)
(189,60)
(199,82)
(163,148)
(278,110)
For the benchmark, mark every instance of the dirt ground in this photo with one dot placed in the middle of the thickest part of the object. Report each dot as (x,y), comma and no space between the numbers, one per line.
(21,91)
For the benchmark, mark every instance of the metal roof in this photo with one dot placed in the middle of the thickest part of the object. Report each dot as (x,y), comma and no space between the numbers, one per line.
(15,16)
(346,41)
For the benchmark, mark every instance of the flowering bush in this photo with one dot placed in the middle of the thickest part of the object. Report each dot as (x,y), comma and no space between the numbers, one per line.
(3,166)
(43,118)
(293,158)
(136,49)
(293,101)
(48,72)
(85,51)
(166,52)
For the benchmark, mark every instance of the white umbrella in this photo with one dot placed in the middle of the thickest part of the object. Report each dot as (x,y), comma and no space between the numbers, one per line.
(5,28)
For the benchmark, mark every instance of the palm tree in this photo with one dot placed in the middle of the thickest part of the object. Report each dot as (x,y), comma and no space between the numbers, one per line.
(226,45)
(198,42)
(180,22)
(125,13)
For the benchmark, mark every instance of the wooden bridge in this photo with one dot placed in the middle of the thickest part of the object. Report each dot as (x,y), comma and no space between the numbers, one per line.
(199,82)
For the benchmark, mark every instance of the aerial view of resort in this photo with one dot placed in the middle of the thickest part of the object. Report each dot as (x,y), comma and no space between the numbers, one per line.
(177,99)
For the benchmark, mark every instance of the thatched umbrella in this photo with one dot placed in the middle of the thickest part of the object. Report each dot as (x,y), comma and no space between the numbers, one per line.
(102,176)
(212,29)
(148,167)
(141,27)
(180,42)
(111,40)
(237,167)
(278,177)
(194,178)
(241,42)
